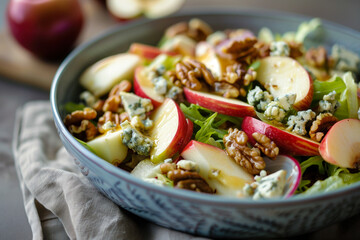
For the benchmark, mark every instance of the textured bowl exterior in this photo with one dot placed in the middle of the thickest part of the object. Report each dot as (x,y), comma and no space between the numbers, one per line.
(201,214)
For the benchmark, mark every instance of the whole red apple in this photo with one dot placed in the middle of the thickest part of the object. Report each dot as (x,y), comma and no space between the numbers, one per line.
(47,28)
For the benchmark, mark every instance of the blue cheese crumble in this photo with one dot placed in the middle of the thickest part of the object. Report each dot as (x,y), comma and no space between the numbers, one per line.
(278,109)
(188,165)
(259,98)
(135,105)
(135,140)
(160,85)
(141,124)
(297,123)
(279,48)
(266,186)
(329,103)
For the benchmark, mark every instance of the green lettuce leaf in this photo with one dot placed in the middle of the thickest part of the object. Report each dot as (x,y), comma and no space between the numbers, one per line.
(207,124)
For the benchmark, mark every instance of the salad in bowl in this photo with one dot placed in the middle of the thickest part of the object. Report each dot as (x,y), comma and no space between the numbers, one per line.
(231,112)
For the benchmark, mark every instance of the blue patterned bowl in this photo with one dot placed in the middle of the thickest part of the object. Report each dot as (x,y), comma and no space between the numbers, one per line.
(202,214)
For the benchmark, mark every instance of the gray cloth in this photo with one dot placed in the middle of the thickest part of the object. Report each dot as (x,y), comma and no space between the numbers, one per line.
(58,197)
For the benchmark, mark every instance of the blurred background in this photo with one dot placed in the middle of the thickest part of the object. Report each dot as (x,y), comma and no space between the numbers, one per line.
(24,77)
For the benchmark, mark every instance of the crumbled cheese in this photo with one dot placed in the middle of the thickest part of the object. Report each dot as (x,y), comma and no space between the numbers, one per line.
(259,98)
(329,103)
(88,98)
(274,111)
(345,59)
(279,48)
(108,126)
(266,186)
(135,105)
(135,140)
(277,110)
(141,124)
(297,123)
(188,165)
(174,92)
(160,85)
(287,100)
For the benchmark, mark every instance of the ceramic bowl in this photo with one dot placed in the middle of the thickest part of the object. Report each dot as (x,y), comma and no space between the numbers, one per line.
(201,214)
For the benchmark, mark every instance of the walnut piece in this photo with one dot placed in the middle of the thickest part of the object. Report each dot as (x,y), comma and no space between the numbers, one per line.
(321,125)
(79,125)
(86,131)
(295,49)
(112,104)
(77,116)
(233,81)
(263,49)
(108,116)
(236,147)
(196,29)
(190,73)
(123,86)
(265,144)
(242,50)
(317,57)
(189,180)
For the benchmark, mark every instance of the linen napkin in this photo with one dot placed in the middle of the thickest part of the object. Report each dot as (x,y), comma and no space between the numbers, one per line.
(59,201)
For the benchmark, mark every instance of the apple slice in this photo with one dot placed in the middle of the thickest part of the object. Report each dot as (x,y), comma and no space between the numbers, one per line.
(227,106)
(100,77)
(287,142)
(109,147)
(129,9)
(341,145)
(206,54)
(168,132)
(189,133)
(283,75)
(217,168)
(146,51)
(143,87)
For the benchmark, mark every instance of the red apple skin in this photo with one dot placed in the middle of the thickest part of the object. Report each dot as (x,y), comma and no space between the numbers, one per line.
(46,28)
(141,91)
(219,105)
(287,142)
(148,52)
(178,139)
(340,132)
(188,135)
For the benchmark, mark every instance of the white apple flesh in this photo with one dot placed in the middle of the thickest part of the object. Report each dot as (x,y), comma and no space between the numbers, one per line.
(109,147)
(168,132)
(143,87)
(283,75)
(189,133)
(206,54)
(341,144)
(227,106)
(217,168)
(100,77)
(288,143)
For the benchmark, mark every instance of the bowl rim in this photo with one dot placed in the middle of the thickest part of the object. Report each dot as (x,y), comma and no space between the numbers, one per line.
(214,200)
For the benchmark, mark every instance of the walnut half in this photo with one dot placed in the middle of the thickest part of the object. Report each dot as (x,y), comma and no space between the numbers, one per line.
(236,147)
(189,180)
(321,125)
